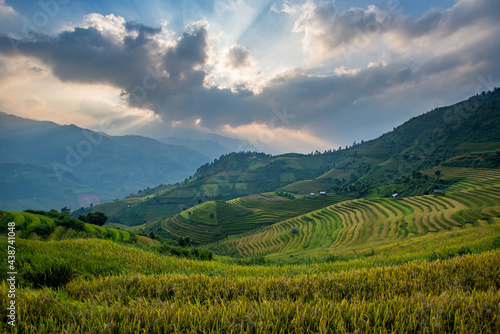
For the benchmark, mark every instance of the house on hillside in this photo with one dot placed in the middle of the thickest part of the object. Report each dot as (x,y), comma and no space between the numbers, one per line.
(322,193)
(438,192)
(312,194)
(396,196)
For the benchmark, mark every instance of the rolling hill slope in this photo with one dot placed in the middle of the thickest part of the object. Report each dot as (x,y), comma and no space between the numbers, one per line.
(215,220)
(39,227)
(364,223)
(465,134)
(233,175)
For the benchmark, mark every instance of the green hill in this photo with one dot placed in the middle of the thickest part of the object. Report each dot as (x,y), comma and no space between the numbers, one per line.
(233,175)
(40,227)
(462,135)
(215,220)
(365,223)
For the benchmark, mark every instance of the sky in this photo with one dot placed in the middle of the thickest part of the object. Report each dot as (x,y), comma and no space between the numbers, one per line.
(284,76)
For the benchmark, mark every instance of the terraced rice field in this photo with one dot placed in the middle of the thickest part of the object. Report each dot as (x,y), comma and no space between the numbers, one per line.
(27,223)
(245,214)
(360,224)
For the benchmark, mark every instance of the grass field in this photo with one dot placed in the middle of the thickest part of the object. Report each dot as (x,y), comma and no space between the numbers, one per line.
(105,287)
(424,264)
(365,223)
(213,221)
(30,226)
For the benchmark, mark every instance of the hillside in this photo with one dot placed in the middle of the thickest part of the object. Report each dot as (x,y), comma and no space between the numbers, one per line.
(365,223)
(53,226)
(231,176)
(214,220)
(45,165)
(462,135)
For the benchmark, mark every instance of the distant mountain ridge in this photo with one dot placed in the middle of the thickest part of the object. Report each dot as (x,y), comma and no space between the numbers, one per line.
(74,167)
(208,148)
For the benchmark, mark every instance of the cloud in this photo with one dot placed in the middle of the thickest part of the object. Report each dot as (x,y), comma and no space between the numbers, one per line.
(264,137)
(326,33)
(369,69)
(238,56)
(6,11)
(124,55)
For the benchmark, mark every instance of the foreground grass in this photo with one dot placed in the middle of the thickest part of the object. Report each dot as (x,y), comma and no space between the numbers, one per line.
(97,286)
(459,295)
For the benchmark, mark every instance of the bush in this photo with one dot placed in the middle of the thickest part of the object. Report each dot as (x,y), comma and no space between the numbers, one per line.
(96,218)
(43,230)
(190,253)
(70,222)
(496,243)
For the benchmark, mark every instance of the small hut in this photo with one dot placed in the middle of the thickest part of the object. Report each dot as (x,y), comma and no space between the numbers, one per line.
(396,196)
(438,192)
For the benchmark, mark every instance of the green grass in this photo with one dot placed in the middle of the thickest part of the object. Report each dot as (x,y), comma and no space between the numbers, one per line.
(205,213)
(28,225)
(373,222)
(96,286)
(239,215)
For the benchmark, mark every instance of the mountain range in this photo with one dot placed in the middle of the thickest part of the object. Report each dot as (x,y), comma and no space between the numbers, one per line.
(47,165)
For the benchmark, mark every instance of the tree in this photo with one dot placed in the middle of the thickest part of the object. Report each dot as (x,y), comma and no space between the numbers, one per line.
(199,200)
(438,174)
(66,210)
(82,218)
(96,218)
(184,241)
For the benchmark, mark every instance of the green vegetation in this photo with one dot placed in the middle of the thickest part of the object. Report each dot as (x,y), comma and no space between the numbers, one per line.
(365,223)
(215,220)
(231,176)
(110,287)
(350,258)
(53,225)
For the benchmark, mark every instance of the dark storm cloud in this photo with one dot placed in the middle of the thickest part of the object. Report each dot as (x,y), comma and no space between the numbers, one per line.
(143,33)
(85,55)
(189,52)
(136,63)
(170,80)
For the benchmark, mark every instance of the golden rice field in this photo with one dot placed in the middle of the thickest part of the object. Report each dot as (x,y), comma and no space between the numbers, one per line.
(240,215)
(120,289)
(366,223)
(423,264)
(27,223)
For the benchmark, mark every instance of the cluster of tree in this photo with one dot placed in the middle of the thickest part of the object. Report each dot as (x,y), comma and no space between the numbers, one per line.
(285,194)
(96,218)
(60,218)
(181,248)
